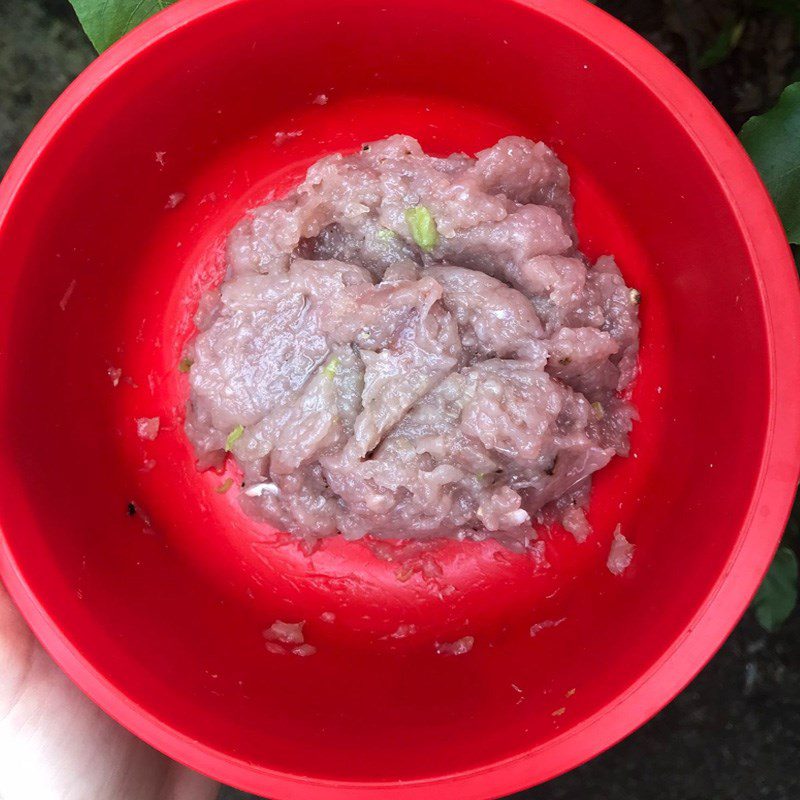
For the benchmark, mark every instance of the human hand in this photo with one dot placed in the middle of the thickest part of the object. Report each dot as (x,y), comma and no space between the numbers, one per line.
(55,744)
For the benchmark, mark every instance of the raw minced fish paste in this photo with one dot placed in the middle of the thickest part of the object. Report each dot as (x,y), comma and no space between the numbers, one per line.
(415,347)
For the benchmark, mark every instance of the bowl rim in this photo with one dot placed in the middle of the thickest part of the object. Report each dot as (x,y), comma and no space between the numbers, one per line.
(727,599)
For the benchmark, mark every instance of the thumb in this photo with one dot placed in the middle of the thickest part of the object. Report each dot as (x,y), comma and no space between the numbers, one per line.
(55,744)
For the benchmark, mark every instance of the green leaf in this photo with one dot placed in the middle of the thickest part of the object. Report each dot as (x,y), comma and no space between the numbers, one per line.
(105,21)
(723,45)
(777,596)
(773,142)
(422,225)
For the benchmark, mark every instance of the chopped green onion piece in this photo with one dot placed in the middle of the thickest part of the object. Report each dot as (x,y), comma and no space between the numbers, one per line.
(422,225)
(636,296)
(234,437)
(385,235)
(185,365)
(598,409)
(331,368)
(224,486)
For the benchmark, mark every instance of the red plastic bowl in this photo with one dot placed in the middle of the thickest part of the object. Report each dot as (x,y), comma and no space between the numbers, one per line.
(162,623)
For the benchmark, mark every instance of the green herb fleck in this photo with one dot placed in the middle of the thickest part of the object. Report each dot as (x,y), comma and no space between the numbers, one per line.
(385,235)
(422,225)
(331,368)
(234,437)
(224,486)
(598,410)
(185,365)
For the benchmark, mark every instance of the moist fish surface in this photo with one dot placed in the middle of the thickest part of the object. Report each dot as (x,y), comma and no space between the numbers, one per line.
(415,347)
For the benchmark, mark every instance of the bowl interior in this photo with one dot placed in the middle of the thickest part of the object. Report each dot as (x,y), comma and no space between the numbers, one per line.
(170,604)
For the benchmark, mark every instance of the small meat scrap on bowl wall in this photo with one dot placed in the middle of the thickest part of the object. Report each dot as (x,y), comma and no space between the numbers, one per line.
(621,553)
(416,344)
(283,638)
(147,428)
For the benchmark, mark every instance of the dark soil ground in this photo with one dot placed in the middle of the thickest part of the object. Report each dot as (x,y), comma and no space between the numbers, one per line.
(734,734)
